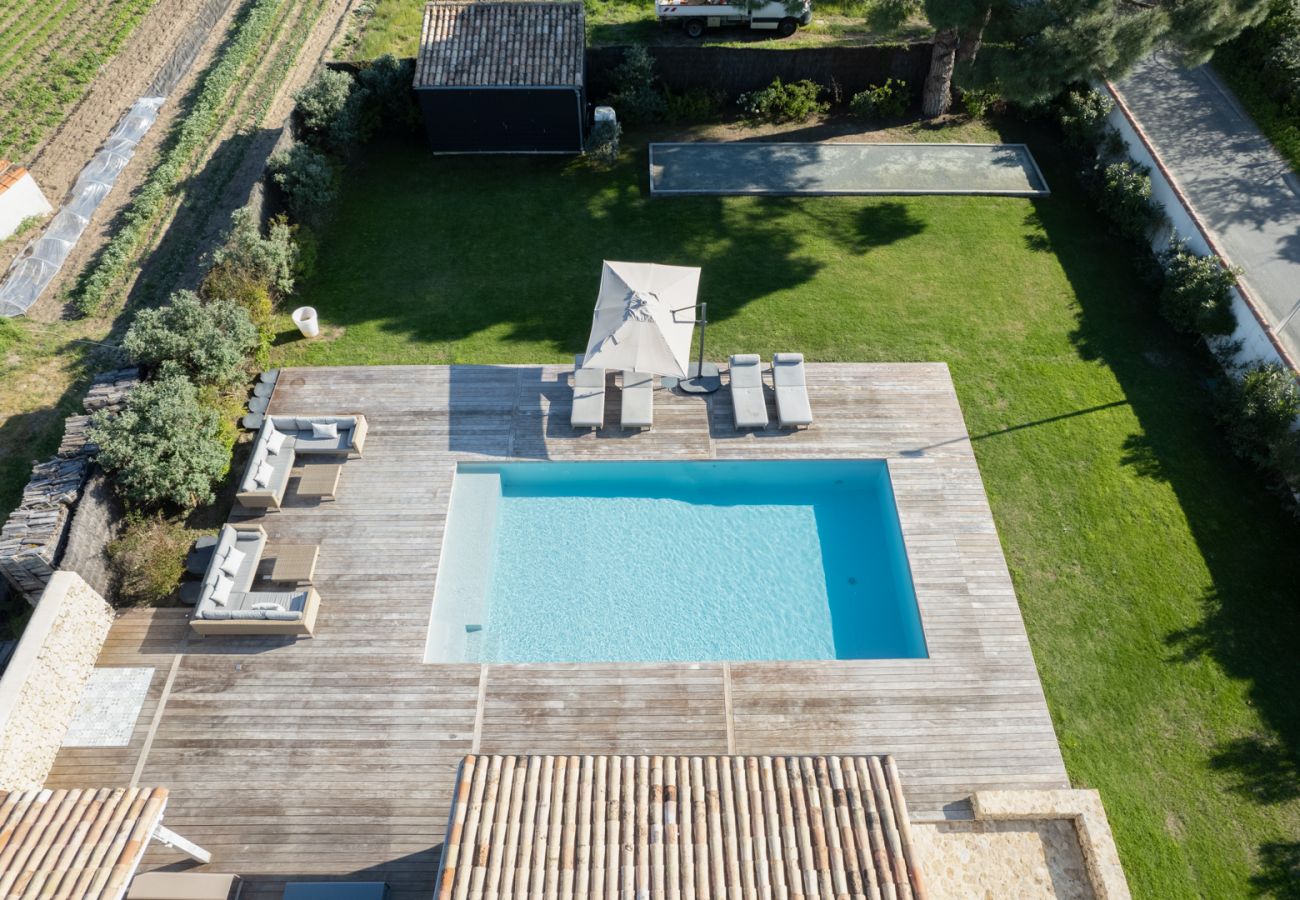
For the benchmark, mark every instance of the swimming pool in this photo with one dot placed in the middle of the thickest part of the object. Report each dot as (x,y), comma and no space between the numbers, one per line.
(673,561)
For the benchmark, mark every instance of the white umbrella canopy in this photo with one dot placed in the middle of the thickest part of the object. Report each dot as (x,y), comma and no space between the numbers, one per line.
(634,326)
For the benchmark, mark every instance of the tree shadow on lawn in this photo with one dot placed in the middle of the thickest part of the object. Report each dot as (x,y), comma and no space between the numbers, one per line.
(1250,623)
(441,248)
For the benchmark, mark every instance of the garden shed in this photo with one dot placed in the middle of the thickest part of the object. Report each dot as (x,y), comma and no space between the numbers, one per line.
(503,77)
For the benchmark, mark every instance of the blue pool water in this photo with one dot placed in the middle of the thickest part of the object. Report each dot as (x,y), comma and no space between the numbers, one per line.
(667,561)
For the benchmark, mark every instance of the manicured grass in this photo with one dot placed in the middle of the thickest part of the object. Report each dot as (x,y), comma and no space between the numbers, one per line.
(1157,578)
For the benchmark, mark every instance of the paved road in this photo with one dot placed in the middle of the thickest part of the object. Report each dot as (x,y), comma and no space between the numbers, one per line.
(1241,188)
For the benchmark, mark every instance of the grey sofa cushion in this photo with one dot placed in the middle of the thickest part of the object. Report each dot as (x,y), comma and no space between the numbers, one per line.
(305,443)
(250,543)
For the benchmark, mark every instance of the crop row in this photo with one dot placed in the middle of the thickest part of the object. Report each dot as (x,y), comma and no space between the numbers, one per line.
(254,108)
(19,47)
(85,31)
(205,115)
(39,101)
(246,109)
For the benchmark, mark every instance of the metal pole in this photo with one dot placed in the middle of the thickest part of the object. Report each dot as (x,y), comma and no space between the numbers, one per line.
(704,320)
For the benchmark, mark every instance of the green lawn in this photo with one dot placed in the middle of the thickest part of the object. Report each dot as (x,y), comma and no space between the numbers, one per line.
(1158,580)
(394,27)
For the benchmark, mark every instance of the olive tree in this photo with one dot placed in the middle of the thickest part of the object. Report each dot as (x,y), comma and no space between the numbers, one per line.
(164,447)
(208,341)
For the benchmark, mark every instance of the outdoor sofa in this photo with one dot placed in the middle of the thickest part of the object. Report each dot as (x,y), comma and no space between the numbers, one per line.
(228,605)
(282,439)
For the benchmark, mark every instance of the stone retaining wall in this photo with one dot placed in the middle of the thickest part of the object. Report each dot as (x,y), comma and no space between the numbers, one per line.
(32,540)
(46,676)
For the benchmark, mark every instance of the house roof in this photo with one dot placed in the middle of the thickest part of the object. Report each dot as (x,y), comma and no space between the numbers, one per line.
(10,174)
(498,44)
(678,826)
(75,843)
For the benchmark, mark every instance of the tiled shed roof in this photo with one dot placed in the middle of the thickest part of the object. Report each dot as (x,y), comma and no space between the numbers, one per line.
(678,828)
(493,44)
(10,175)
(75,843)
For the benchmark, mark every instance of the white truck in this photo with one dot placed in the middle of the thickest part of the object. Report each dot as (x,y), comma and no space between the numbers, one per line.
(782,16)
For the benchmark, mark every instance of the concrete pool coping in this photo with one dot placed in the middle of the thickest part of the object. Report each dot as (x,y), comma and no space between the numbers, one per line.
(711,168)
(268,743)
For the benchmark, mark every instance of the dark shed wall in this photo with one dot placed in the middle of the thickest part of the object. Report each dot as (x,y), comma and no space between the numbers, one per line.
(503,120)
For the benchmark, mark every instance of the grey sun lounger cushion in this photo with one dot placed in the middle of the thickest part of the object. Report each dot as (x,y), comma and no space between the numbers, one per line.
(638,400)
(792,407)
(748,404)
(588,396)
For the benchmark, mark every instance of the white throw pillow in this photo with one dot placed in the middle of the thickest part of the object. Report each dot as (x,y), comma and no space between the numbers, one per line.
(275,442)
(262,477)
(234,559)
(324,431)
(221,593)
(268,606)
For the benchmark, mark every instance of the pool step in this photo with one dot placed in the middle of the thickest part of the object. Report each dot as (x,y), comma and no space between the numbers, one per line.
(464,569)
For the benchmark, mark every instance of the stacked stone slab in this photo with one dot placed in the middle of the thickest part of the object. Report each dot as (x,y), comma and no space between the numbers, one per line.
(33,537)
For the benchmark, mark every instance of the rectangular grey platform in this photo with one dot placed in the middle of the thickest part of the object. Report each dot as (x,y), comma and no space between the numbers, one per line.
(784,169)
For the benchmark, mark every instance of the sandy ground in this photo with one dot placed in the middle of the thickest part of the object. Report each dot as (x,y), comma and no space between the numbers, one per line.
(69,147)
(212,219)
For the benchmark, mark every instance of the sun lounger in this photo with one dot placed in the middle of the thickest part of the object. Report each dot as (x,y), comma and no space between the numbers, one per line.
(588,396)
(747,402)
(638,399)
(792,407)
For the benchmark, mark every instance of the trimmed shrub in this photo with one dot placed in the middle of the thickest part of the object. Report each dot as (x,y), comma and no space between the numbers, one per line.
(636,97)
(782,102)
(388,99)
(209,342)
(693,105)
(603,145)
(1196,294)
(149,558)
(1082,114)
(1259,407)
(1124,196)
(979,103)
(269,260)
(329,110)
(164,447)
(881,101)
(308,179)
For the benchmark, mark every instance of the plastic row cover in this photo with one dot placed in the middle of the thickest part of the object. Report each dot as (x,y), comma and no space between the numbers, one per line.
(42,258)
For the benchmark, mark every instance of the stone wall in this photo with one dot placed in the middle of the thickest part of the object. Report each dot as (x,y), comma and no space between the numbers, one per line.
(43,684)
(32,540)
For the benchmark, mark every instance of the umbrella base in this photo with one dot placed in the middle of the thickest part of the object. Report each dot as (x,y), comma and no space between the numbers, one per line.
(697,382)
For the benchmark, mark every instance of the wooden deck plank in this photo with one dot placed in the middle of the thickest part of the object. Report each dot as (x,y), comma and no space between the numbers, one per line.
(335,757)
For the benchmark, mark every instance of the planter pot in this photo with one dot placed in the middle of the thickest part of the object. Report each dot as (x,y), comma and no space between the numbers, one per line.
(305,318)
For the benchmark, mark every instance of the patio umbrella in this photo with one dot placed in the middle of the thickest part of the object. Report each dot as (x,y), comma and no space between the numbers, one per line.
(644,318)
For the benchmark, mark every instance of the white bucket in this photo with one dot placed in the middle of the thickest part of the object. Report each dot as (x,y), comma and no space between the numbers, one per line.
(305,318)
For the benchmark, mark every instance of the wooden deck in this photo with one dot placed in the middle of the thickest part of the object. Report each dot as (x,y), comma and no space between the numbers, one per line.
(335,756)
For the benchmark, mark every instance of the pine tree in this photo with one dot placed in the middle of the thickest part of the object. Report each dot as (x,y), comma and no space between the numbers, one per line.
(1033,48)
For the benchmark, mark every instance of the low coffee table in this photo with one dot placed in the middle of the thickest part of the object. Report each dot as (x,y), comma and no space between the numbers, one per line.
(319,480)
(295,563)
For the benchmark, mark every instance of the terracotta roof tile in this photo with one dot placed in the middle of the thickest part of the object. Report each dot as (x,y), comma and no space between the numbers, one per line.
(493,44)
